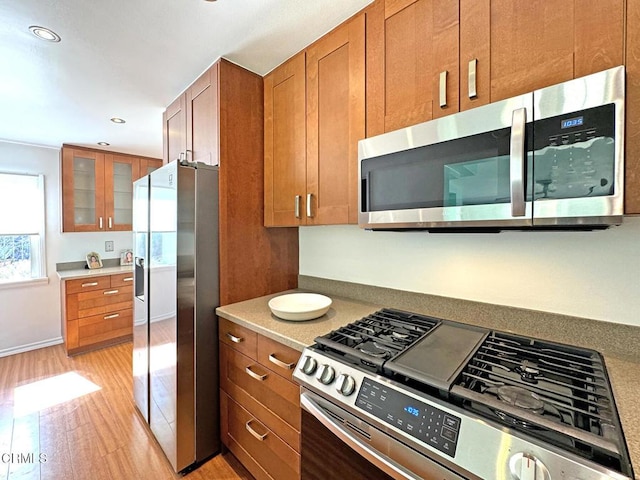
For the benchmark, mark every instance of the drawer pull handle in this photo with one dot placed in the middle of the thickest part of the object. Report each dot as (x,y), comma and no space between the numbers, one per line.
(254,433)
(234,339)
(280,363)
(255,375)
(109,317)
(92,284)
(128,279)
(111,292)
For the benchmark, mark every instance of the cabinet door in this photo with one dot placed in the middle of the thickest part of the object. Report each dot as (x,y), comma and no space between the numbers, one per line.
(82,191)
(147,165)
(118,191)
(335,123)
(409,45)
(174,129)
(523,47)
(202,118)
(284,144)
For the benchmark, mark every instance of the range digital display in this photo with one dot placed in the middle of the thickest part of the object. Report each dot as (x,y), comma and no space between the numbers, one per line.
(426,423)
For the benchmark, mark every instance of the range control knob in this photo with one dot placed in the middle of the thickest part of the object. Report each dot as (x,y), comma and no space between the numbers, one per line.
(345,384)
(309,365)
(524,466)
(326,374)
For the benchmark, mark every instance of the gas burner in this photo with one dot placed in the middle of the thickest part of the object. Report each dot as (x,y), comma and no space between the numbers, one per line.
(528,371)
(521,398)
(400,333)
(374,350)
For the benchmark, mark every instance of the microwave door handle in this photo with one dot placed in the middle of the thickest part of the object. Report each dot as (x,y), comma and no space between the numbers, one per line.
(378,459)
(516,162)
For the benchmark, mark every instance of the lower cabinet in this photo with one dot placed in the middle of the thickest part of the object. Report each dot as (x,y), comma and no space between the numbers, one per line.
(259,402)
(97,311)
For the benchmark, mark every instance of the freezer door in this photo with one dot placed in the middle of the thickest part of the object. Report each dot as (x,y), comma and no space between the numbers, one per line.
(140,305)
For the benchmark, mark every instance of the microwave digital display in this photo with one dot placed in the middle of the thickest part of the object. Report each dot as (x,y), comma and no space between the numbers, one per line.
(572,122)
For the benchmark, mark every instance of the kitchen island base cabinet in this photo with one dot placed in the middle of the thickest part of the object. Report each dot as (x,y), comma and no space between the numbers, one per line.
(259,403)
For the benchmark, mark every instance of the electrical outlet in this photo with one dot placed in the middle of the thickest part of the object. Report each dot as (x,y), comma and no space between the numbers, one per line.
(108,246)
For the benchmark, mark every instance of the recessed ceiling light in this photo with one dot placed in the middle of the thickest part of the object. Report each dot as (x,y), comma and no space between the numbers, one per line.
(44,33)
(104,144)
(118,120)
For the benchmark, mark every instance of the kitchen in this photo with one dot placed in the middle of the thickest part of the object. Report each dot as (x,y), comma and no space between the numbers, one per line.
(542,271)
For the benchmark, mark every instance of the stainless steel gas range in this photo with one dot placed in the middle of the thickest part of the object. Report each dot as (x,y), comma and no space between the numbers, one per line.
(420,397)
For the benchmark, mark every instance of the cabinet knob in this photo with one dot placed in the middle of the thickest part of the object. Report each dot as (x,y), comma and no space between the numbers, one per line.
(233,338)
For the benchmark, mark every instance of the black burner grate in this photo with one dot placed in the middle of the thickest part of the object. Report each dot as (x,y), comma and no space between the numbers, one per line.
(556,392)
(377,338)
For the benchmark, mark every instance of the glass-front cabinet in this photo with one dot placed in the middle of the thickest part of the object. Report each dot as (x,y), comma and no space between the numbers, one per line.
(97,189)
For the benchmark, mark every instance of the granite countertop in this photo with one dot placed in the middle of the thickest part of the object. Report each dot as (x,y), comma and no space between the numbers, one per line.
(81,273)
(623,370)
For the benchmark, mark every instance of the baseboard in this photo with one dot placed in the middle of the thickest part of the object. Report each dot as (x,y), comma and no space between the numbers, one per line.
(30,346)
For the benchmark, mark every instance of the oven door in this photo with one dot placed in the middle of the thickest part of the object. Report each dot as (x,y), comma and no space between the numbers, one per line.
(338,445)
(470,169)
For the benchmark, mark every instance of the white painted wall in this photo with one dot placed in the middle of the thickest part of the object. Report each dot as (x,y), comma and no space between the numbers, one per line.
(587,274)
(30,315)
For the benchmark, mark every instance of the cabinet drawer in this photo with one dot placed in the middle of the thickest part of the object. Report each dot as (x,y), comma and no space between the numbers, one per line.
(240,338)
(87,284)
(98,328)
(266,395)
(86,304)
(122,279)
(271,453)
(277,357)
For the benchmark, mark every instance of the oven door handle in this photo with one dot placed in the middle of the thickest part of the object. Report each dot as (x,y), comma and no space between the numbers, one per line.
(381,461)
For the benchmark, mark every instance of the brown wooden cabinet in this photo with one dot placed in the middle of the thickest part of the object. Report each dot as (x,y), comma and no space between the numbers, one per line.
(285,143)
(335,122)
(519,48)
(191,130)
(97,311)
(412,62)
(260,404)
(220,118)
(314,117)
(97,188)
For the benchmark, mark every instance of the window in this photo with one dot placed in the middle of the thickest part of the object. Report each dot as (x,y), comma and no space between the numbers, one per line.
(21,227)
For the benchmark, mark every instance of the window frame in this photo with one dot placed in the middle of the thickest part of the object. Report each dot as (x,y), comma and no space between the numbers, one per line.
(38,259)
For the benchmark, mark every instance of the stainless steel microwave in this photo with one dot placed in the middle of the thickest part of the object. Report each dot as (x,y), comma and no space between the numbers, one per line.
(551,158)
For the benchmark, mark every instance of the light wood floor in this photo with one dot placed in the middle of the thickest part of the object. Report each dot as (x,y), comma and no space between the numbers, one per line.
(95,436)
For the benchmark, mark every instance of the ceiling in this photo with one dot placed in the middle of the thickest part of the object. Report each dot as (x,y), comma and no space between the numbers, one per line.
(131,58)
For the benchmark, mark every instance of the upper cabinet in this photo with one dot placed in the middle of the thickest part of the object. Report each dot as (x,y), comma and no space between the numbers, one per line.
(509,48)
(191,130)
(412,62)
(431,58)
(97,188)
(314,117)
(285,143)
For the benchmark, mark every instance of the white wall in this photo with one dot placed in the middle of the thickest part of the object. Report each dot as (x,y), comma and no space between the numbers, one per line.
(587,274)
(30,315)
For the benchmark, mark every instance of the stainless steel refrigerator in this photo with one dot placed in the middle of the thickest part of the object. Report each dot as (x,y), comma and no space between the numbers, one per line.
(176,284)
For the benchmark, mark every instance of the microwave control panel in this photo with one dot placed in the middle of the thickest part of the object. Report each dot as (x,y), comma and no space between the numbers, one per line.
(575,127)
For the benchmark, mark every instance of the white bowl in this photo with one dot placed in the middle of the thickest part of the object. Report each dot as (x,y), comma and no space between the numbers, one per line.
(300,306)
